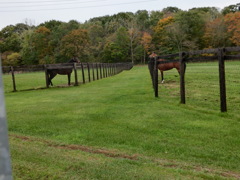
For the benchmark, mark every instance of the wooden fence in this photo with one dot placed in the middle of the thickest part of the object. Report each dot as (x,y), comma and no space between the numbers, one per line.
(221,55)
(95,71)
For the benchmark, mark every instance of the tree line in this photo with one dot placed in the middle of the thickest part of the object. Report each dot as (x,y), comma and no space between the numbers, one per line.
(123,37)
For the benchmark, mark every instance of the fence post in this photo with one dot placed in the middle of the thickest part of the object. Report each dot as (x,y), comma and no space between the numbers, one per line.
(5,165)
(75,74)
(182,77)
(46,75)
(13,79)
(151,67)
(103,69)
(155,77)
(97,71)
(100,68)
(222,82)
(83,75)
(89,74)
(93,73)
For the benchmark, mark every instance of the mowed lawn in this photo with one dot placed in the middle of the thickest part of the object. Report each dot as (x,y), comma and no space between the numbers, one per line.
(114,128)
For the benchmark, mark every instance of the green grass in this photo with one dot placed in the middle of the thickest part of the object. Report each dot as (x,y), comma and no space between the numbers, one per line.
(36,80)
(114,128)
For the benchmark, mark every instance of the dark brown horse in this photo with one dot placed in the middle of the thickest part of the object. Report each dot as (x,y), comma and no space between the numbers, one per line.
(166,66)
(66,71)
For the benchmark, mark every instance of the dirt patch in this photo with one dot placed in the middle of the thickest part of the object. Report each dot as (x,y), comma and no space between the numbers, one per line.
(105,152)
(177,165)
(171,164)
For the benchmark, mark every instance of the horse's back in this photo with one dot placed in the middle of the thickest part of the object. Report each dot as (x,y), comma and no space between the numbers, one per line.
(168,66)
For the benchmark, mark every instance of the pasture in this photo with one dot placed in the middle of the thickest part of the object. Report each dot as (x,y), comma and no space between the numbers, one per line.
(115,128)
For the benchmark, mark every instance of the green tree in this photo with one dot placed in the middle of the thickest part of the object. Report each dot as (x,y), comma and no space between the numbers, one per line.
(13,59)
(28,51)
(41,42)
(96,44)
(142,19)
(117,48)
(192,23)
(231,9)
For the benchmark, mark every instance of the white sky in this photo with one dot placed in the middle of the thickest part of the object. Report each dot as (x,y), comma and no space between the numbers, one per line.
(39,11)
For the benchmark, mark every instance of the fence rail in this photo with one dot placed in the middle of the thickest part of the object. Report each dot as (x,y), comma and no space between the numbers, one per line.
(89,71)
(221,55)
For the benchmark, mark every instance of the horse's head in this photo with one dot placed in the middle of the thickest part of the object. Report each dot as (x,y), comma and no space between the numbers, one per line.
(74,60)
(153,55)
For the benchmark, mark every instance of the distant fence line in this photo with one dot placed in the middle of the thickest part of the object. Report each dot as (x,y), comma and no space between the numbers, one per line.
(95,71)
(221,55)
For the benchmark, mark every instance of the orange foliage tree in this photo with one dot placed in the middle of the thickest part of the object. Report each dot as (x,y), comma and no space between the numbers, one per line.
(233,27)
(74,44)
(146,42)
(216,34)
(160,32)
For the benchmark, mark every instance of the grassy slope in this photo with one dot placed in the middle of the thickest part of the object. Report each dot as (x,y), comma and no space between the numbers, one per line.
(120,117)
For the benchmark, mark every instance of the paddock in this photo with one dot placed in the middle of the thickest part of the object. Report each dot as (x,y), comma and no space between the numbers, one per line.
(218,57)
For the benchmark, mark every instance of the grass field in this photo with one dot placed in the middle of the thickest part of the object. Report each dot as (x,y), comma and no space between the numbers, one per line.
(114,128)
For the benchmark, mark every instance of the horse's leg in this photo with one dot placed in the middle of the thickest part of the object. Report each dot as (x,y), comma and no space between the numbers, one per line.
(162,76)
(69,78)
(52,75)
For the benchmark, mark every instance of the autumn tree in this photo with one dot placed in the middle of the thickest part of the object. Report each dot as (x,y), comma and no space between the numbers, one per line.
(75,43)
(232,21)
(160,38)
(146,42)
(216,34)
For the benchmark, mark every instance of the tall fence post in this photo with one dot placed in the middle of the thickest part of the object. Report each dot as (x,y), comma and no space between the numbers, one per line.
(222,81)
(13,79)
(5,165)
(151,67)
(182,77)
(83,75)
(100,69)
(46,76)
(155,77)
(97,71)
(93,73)
(75,74)
(89,74)
(103,69)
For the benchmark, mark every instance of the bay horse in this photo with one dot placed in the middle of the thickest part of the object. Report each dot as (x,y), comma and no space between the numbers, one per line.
(166,66)
(66,71)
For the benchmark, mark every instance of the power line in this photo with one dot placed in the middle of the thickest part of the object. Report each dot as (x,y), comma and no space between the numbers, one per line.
(33,2)
(58,3)
(80,7)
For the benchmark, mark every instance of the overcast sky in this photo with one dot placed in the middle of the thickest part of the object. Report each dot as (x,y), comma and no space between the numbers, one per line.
(39,11)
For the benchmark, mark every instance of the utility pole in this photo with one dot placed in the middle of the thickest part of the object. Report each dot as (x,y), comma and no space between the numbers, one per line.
(5,167)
